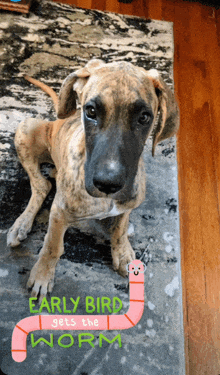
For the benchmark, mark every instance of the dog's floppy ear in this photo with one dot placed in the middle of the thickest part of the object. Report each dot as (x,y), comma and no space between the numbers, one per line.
(168,121)
(72,87)
(68,96)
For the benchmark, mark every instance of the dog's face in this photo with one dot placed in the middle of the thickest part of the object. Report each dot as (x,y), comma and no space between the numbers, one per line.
(119,106)
(118,114)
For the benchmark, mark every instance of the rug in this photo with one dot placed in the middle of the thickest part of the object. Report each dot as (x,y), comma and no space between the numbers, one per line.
(52,42)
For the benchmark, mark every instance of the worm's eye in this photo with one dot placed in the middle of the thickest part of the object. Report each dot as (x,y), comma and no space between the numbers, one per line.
(90,112)
(144,118)
(132,268)
(139,268)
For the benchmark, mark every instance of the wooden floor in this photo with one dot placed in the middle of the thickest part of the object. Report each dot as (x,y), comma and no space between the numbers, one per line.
(197,83)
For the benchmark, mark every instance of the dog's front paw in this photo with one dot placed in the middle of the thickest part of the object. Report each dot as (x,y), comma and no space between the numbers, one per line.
(121,257)
(41,279)
(19,231)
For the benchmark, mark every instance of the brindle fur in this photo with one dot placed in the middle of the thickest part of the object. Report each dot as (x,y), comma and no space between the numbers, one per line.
(82,149)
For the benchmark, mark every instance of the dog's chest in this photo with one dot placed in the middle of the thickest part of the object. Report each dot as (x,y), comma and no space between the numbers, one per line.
(114,211)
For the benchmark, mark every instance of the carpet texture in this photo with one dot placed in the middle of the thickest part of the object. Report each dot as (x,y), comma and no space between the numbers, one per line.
(55,40)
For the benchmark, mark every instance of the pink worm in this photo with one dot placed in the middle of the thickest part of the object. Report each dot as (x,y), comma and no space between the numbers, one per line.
(105,322)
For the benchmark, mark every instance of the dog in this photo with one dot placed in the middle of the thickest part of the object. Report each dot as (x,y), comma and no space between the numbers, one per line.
(97,152)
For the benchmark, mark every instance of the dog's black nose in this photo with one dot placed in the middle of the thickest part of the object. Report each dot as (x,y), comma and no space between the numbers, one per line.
(109,178)
(106,187)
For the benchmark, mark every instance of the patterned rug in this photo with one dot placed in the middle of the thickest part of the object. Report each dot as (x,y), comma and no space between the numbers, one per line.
(52,42)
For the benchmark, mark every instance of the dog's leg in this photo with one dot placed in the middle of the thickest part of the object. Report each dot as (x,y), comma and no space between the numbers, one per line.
(122,252)
(41,279)
(29,149)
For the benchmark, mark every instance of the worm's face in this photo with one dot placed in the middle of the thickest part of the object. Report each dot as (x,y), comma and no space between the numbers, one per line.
(136,267)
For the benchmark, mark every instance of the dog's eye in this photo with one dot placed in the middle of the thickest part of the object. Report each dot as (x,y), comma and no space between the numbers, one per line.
(144,118)
(90,112)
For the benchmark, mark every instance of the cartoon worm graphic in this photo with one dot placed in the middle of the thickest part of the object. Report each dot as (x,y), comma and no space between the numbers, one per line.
(105,322)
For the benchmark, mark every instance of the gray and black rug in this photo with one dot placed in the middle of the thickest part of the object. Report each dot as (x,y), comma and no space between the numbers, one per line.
(50,44)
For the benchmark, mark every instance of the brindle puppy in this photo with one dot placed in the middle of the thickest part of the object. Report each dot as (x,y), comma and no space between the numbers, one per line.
(97,153)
